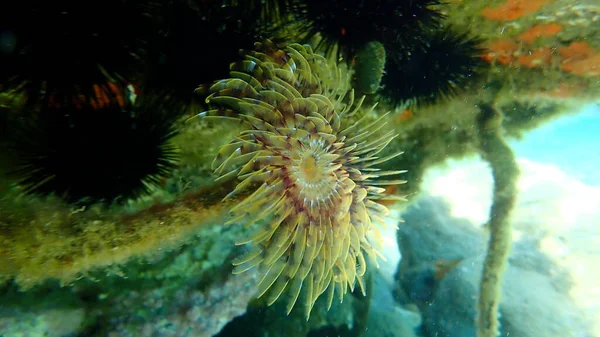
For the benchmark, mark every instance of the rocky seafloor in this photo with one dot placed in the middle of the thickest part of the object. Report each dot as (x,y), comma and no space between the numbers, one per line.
(161,266)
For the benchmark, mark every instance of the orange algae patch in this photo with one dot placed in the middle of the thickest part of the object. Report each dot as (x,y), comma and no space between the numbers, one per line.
(586,67)
(513,9)
(537,31)
(580,59)
(502,50)
(389,190)
(576,50)
(537,58)
(561,91)
(404,115)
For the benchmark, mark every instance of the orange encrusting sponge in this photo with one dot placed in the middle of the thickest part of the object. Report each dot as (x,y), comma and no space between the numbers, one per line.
(578,58)
(542,30)
(513,9)
(526,50)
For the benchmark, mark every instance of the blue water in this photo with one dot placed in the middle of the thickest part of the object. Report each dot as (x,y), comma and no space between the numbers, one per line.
(570,142)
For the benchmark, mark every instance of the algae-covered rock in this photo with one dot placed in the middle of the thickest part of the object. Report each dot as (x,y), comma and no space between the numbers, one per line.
(387,318)
(53,322)
(533,289)
(188,287)
(161,265)
(47,311)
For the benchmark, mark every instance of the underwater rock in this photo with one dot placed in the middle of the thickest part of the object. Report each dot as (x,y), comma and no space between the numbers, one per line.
(187,292)
(192,312)
(533,289)
(386,317)
(52,322)
(45,312)
(177,292)
(348,318)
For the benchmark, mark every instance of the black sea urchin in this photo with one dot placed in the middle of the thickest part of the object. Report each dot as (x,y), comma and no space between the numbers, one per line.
(198,40)
(439,71)
(97,148)
(347,25)
(264,12)
(54,46)
(307,166)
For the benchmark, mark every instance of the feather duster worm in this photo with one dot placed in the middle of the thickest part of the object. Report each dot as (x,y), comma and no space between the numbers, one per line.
(307,164)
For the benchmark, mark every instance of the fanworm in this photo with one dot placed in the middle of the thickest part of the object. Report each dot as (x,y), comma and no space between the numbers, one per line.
(306,164)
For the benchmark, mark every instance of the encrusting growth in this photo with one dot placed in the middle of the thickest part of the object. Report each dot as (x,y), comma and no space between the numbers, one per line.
(307,163)
(505,172)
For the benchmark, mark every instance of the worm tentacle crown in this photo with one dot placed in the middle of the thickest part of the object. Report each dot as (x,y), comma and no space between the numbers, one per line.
(306,164)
